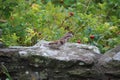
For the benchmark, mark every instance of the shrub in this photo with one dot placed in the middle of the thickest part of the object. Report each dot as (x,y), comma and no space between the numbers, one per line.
(93,22)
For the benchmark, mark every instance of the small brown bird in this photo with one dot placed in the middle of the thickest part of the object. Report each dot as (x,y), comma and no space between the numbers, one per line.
(57,44)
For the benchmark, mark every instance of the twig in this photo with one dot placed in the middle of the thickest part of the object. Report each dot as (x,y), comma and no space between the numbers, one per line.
(3,21)
(63,21)
(87,6)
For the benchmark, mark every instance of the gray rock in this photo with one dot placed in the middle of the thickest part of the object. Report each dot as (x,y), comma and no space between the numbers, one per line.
(117,56)
(110,62)
(71,62)
(111,55)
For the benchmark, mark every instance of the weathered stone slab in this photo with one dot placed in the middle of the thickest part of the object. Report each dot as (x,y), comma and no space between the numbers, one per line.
(71,62)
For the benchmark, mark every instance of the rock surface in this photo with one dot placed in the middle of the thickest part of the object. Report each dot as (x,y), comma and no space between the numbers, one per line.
(110,62)
(71,62)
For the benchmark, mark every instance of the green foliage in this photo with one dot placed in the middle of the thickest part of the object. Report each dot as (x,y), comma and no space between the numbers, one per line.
(5,71)
(6,6)
(93,22)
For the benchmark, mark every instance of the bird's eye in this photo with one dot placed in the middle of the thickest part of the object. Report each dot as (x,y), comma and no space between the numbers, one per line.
(61,42)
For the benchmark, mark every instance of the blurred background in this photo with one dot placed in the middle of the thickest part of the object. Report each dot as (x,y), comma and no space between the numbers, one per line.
(94,22)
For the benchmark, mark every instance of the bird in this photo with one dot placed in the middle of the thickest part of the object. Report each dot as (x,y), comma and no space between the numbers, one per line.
(58,43)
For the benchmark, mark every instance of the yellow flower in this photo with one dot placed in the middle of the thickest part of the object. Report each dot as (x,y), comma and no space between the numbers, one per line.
(85,39)
(35,7)
(113,28)
(107,24)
